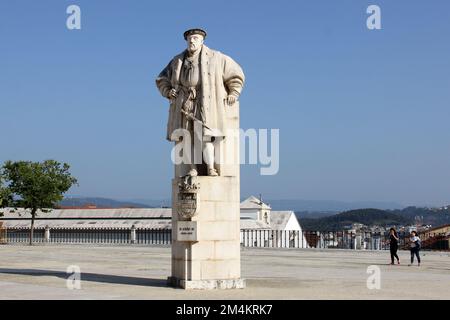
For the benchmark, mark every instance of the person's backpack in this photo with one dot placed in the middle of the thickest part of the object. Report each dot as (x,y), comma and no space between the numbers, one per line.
(418,244)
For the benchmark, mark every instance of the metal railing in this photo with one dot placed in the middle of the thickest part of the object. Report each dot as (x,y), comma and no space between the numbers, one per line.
(361,240)
(311,239)
(248,238)
(91,236)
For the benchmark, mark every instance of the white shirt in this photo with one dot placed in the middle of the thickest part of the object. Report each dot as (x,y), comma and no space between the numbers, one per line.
(413,241)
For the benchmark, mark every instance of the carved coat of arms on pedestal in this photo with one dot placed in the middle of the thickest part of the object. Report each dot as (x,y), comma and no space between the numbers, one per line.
(187,203)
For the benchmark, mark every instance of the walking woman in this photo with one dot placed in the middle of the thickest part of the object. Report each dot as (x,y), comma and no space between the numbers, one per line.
(393,245)
(415,247)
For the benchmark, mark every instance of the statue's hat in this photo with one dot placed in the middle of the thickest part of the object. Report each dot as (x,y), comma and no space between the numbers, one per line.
(194,31)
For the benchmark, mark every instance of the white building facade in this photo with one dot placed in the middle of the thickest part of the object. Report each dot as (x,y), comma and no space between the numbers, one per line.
(262,227)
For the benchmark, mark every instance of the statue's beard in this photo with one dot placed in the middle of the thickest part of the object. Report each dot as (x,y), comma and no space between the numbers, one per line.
(193,49)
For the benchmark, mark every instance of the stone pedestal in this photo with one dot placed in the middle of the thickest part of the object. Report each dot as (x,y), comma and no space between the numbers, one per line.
(206,246)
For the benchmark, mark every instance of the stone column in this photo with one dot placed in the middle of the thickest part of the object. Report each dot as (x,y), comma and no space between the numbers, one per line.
(47,234)
(133,234)
(358,242)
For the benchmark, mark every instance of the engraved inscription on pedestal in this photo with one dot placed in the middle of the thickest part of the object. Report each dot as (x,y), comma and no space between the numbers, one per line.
(187,231)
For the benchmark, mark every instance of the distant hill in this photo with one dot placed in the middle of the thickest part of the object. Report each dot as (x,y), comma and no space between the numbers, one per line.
(429,216)
(158,203)
(364,216)
(100,203)
(329,205)
(315,214)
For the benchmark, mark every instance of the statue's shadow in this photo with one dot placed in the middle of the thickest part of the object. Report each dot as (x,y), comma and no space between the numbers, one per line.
(91,277)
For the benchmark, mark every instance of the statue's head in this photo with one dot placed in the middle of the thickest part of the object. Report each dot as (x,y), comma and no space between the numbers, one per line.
(194,39)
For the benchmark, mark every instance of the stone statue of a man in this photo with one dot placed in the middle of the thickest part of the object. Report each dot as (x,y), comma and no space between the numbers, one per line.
(200,83)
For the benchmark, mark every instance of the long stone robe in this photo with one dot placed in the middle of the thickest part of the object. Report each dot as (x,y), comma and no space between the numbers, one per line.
(220,76)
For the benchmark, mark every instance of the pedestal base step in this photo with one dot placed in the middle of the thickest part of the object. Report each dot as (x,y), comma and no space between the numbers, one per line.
(206,284)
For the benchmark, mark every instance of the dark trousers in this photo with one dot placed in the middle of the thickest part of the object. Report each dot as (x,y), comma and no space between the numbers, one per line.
(415,251)
(394,254)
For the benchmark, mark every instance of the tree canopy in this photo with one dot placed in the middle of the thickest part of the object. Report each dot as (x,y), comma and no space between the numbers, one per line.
(34,185)
(37,185)
(5,195)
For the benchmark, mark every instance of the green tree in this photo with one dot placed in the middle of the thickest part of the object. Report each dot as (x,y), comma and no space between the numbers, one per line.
(5,196)
(36,185)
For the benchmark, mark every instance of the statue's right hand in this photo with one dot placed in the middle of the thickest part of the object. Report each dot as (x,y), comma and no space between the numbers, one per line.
(173,93)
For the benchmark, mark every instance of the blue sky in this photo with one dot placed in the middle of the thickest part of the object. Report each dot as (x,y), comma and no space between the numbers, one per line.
(363,115)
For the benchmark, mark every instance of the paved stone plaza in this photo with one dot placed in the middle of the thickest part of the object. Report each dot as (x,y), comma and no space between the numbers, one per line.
(138,272)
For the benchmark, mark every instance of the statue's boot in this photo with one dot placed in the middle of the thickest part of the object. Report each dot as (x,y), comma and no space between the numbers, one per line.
(212,172)
(193,173)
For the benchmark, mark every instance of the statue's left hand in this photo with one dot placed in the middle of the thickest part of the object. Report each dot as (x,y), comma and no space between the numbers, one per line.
(231,99)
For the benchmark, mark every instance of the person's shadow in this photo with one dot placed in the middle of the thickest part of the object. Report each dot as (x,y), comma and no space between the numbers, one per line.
(92,277)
